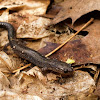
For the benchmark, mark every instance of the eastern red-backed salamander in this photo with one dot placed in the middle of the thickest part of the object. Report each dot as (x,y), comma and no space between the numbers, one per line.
(32,55)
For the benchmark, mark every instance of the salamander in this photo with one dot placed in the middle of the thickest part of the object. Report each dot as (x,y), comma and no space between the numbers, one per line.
(33,56)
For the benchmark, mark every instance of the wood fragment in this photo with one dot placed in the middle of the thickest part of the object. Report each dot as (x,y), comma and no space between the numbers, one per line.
(21,68)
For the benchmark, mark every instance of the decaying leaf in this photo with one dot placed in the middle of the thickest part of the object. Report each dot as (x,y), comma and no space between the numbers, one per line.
(71,50)
(52,12)
(21,19)
(35,30)
(28,6)
(48,48)
(6,60)
(4,82)
(81,82)
(92,41)
(84,50)
(97,91)
(33,84)
(74,9)
(49,40)
(8,63)
(4,16)
(36,72)
(3,38)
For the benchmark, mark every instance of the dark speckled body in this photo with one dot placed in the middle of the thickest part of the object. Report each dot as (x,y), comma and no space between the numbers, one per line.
(32,55)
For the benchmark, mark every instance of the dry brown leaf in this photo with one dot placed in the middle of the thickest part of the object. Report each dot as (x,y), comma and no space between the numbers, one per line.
(74,9)
(52,12)
(97,91)
(92,67)
(20,20)
(83,97)
(58,1)
(8,63)
(25,86)
(34,30)
(4,82)
(29,6)
(79,83)
(48,48)
(7,93)
(56,38)
(4,16)
(92,41)
(36,72)
(71,50)
(3,38)
(84,50)
(52,77)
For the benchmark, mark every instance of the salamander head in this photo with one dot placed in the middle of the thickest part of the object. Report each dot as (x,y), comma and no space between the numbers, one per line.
(62,68)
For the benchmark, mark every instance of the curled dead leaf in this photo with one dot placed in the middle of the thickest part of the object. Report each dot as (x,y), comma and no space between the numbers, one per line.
(35,72)
(6,60)
(8,63)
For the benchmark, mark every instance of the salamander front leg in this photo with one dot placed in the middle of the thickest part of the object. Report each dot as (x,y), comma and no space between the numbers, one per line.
(44,69)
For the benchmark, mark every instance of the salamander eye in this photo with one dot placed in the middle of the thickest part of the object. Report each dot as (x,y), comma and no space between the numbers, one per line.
(65,71)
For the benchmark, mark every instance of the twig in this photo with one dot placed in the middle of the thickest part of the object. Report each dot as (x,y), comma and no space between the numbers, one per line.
(70,38)
(58,46)
(21,68)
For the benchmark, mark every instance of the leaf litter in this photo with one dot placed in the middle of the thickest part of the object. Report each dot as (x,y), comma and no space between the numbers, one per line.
(33,84)
(74,9)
